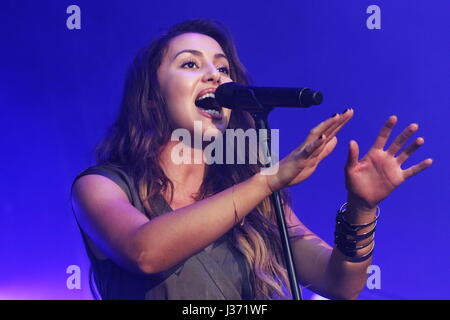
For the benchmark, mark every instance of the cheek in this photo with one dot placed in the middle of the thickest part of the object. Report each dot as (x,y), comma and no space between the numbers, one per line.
(179,98)
(178,94)
(175,90)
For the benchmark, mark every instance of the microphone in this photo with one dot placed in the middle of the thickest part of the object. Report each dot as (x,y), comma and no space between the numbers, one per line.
(249,98)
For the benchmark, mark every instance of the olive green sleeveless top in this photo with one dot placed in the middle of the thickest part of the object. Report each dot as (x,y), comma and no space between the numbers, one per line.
(219,272)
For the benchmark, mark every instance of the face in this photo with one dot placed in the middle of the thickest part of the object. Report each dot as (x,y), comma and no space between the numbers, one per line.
(193,62)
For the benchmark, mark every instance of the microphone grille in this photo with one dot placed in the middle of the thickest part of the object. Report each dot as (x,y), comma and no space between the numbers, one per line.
(225,93)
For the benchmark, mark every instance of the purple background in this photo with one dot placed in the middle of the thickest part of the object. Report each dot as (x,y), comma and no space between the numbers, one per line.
(60,89)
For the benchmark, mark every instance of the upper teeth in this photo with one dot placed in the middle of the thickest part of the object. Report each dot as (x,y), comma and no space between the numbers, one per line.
(207,95)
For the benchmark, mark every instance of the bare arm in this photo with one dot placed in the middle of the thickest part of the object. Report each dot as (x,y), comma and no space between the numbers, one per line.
(148,246)
(368,182)
(126,236)
(322,268)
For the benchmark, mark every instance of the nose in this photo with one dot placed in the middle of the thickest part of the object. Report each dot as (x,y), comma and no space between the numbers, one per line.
(212,74)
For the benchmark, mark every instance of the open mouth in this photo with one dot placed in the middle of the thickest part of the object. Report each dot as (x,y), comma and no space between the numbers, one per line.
(208,104)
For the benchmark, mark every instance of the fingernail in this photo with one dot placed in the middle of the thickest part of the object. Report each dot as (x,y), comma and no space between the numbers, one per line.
(345,110)
(334,115)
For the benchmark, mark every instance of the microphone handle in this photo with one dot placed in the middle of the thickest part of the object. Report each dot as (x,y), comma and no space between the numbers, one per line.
(287,97)
(231,95)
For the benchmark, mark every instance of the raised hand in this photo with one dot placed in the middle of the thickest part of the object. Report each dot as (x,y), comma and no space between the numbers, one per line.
(379,172)
(301,162)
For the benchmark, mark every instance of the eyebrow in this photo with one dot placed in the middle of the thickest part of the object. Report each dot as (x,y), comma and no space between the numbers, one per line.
(198,53)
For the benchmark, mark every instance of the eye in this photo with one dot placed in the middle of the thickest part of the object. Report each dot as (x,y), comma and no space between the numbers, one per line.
(190,64)
(224,70)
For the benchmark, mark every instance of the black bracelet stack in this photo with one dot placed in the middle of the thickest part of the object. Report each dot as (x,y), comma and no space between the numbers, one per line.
(346,236)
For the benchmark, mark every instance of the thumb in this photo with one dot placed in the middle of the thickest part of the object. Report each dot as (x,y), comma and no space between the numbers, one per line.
(353,153)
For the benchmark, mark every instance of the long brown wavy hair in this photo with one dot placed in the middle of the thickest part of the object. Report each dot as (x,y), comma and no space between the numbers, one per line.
(142,128)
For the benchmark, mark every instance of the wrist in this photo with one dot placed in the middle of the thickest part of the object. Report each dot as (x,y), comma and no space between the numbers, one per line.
(357,205)
(263,184)
(358,212)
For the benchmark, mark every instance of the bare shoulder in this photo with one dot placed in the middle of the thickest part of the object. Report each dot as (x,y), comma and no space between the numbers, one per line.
(107,217)
(94,187)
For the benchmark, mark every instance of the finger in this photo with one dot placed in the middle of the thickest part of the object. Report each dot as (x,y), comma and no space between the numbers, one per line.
(409,150)
(338,119)
(385,132)
(311,148)
(329,126)
(333,130)
(317,131)
(330,142)
(413,170)
(327,148)
(402,138)
(353,154)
